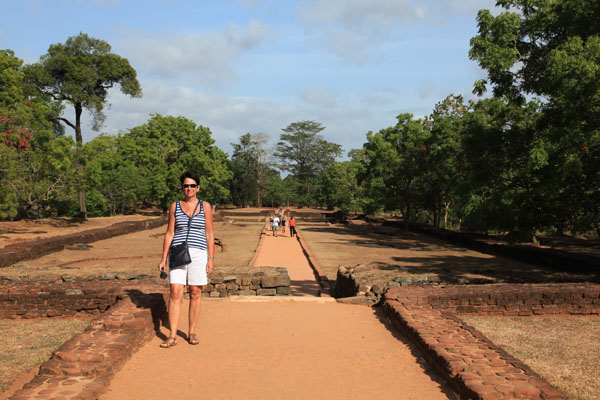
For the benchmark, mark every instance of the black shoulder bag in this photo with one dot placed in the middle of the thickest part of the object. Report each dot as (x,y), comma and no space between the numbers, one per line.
(180,255)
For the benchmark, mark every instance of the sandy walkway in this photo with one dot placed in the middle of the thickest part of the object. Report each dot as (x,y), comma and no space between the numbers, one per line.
(280,348)
(284,251)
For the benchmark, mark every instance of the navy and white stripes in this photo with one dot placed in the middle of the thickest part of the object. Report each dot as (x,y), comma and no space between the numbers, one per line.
(197,237)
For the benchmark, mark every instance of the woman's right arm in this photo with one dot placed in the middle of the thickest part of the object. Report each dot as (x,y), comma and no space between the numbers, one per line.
(168,237)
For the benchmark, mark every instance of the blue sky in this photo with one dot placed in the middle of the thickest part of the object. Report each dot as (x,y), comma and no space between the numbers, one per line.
(256,66)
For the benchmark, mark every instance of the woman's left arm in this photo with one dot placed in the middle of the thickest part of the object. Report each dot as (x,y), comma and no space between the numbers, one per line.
(210,237)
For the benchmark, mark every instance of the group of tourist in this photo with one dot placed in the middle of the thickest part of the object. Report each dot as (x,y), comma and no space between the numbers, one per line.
(279,221)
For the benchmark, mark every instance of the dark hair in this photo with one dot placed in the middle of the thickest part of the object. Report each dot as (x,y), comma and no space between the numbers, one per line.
(191,175)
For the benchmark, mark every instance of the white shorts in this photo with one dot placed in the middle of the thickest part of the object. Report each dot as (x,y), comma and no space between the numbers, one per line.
(194,273)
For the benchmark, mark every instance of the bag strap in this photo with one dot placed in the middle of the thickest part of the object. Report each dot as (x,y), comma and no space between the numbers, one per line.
(190,219)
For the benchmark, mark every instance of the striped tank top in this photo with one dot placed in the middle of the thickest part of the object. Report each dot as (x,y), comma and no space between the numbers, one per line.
(197,237)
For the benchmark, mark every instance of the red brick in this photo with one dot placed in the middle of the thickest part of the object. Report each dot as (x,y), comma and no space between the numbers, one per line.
(526,392)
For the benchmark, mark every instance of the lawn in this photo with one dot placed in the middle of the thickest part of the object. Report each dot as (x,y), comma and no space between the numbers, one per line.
(563,350)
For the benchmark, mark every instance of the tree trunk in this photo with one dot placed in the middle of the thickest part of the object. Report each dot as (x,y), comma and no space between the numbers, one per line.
(446,215)
(79,146)
(259,197)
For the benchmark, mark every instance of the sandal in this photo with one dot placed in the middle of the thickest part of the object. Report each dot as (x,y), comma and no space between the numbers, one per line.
(170,342)
(193,339)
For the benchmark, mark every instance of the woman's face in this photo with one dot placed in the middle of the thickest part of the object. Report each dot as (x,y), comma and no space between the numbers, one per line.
(189,187)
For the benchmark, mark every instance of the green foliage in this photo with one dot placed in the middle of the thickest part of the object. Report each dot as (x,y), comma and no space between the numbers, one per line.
(250,166)
(163,148)
(304,153)
(35,165)
(395,159)
(80,72)
(340,188)
(551,49)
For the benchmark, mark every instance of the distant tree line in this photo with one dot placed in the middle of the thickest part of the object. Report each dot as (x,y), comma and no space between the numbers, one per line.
(524,160)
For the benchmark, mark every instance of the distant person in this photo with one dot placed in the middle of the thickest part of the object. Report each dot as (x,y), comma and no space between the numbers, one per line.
(275,225)
(271,221)
(292,223)
(201,245)
(283,223)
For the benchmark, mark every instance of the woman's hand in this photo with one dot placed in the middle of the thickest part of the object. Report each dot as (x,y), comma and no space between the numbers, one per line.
(162,265)
(210,265)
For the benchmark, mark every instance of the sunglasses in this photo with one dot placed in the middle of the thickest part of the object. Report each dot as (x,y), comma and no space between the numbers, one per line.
(193,186)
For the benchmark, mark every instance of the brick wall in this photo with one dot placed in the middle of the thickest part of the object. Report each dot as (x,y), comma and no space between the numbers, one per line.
(51,299)
(429,315)
(82,367)
(509,300)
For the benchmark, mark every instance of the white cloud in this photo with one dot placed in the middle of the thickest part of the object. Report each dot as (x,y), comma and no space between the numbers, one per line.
(364,15)
(205,58)
(229,117)
(318,97)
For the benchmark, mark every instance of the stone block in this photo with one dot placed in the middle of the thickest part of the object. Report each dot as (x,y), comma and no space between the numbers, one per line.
(266,292)
(283,290)
(356,300)
(273,281)
(246,293)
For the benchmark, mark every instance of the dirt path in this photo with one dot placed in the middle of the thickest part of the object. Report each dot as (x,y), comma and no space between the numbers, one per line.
(284,251)
(280,348)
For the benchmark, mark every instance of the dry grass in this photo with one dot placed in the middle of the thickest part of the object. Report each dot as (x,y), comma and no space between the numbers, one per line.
(337,244)
(29,343)
(564,350)
(19,231)
(138,253)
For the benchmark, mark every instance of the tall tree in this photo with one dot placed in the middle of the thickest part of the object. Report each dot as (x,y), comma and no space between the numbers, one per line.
(34,164)
(551,49)
(305,153)
(444,174)
(166,146)
(80,72)
(395,159)
(250,163)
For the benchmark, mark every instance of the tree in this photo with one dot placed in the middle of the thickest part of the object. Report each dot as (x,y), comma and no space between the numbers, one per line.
(551,49)
(114,184)
(34,164)
(444,174)
(340,187)
(80,72)
(164,147)
(395,159)
(304,153)
(249,164)
(506,157)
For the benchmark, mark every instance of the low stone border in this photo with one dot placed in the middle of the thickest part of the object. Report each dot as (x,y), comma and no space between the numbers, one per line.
(320,276)
(247,281)
(83,366)
(474,366)
(22,251)
(373,279)
(22,300)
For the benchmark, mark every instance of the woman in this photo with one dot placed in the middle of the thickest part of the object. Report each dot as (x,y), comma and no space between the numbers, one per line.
(201,244)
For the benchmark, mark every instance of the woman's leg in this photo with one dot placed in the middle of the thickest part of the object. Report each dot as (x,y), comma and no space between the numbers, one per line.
(175,307)
(195,295)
